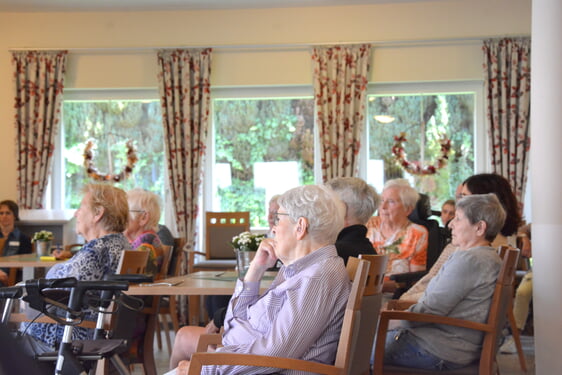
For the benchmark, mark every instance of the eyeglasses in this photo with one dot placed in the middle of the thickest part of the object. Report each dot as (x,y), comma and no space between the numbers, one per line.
(141,211)
(276,217)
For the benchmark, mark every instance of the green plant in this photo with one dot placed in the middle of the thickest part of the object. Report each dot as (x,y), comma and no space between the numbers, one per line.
(43,235)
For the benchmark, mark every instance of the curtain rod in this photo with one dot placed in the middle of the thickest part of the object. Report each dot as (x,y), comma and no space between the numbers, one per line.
(389,43)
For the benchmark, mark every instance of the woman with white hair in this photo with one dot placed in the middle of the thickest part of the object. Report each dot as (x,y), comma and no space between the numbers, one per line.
(144,214)
(393,234)
(301,314)
(361,201)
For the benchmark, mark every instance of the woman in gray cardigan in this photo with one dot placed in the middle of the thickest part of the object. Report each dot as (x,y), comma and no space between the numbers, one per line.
(462,289)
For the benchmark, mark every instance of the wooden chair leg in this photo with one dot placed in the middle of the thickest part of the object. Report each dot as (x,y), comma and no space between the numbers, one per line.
(194,307)
(174,313)
(158,333)
(516,337)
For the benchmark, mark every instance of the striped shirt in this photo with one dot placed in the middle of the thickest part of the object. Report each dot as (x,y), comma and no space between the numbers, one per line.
(299,316)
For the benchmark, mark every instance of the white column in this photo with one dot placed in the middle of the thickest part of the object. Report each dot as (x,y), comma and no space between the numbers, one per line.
(546,175)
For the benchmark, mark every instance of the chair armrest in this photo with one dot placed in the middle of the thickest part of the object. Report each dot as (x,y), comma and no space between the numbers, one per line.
(397,304)
(208,339)
(386,316)
(235,359)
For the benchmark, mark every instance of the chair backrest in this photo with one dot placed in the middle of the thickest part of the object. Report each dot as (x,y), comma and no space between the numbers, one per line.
(359,269)
(133,261)
(166,259)
(176,259)
(370,307)
(498,309)
(435,241)
(220,227)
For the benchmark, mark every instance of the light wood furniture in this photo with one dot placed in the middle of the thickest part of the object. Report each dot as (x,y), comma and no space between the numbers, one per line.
(220,227)
(487,365)
(348,349)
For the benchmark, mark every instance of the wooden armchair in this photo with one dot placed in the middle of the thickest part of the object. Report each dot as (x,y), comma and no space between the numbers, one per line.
(353,332)
(492,328)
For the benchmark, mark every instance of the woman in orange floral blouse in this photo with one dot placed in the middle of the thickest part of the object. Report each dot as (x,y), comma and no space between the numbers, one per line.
(393,234)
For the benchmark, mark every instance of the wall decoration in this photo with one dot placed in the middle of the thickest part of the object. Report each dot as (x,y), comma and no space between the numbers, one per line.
(92,171)
(417,167)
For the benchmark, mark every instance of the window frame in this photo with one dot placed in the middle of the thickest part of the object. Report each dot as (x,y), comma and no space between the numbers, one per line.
(56,187)
(481,154)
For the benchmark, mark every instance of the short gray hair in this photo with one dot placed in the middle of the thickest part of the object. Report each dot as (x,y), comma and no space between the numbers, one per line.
(140,199)
(486,208)
(408,195)
(320,206)
(360,198)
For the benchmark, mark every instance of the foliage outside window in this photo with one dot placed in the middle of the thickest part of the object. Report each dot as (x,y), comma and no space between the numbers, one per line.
(424,119)
(110,124)
(262,147)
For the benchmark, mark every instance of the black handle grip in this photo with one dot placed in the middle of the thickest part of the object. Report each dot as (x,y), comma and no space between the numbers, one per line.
(11,292)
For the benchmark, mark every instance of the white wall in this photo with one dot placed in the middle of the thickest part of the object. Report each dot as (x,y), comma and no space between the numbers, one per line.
(257,47)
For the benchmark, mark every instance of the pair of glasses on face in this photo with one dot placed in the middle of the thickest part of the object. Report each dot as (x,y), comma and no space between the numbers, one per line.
(276,217)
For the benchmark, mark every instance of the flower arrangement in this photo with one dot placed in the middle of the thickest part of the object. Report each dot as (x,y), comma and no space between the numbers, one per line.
(96,176)
(415,167)
(247,241)
(43,235)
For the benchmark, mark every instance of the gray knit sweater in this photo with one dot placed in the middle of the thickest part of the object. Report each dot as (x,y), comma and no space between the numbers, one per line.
(462,289)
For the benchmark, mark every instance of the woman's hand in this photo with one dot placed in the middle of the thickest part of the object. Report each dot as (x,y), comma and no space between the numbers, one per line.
(265,258)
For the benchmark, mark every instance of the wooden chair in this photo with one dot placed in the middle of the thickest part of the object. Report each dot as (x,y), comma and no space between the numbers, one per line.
(352,334)
(492,328)
(132,261)
(220,227)
(511,317)
(164,310)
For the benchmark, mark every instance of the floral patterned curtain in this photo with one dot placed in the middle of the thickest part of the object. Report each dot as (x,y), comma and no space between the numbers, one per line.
(507,84)
(185,98)
(39,82)
(340,88)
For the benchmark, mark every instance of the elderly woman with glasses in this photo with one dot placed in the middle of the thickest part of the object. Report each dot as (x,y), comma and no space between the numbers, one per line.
(301,314)
(144,211)
(462,289)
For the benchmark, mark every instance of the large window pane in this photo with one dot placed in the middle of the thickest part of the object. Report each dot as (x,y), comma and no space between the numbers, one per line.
(110,124)
(262,147)
(424,119)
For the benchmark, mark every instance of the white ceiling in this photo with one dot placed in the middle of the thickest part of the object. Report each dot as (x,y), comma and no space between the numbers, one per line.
(153,5)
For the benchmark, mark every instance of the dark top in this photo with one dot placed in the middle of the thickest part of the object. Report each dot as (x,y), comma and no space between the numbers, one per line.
(353,241)
(165,235)
(16,243)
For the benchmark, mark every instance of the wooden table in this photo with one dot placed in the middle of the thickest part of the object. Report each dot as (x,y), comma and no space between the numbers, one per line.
(29,262)
(195,285)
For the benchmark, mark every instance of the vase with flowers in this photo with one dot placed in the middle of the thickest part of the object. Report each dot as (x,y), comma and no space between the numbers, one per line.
(245,246)
(43,240)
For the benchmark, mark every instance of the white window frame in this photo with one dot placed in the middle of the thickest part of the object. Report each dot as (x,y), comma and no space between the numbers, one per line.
(481,154)
(55,192)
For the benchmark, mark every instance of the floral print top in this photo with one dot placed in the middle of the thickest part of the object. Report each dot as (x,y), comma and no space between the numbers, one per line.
(405,248)
(97,258)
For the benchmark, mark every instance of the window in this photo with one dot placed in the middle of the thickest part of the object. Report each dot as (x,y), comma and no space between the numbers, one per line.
(262,146)
(424,118)
(110,120)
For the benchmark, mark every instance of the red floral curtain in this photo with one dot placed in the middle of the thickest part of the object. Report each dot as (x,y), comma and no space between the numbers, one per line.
(340,87)
(39,82)
(507,84)
(185,98)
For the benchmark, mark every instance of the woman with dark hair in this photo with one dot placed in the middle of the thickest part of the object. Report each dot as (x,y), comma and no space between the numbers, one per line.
(12,240)
(484,183)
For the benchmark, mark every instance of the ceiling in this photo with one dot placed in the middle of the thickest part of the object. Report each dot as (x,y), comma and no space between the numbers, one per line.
(154,5)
